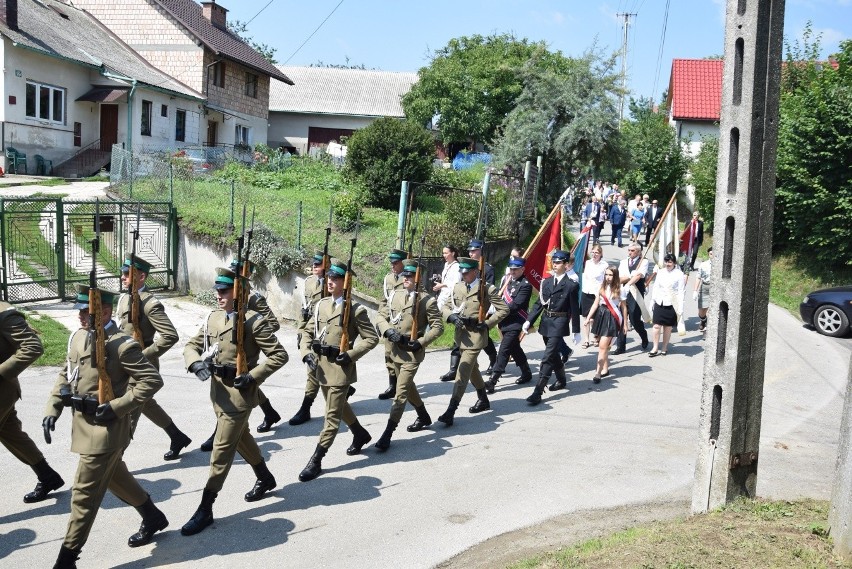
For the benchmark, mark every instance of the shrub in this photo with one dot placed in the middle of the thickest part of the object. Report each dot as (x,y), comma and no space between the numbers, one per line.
(347,204)
(274,254)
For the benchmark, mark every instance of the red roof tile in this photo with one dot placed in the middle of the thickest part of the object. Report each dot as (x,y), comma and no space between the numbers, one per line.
(695,89)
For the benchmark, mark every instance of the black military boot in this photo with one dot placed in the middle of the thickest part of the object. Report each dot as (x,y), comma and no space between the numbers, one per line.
(153,520)
(360,437)
(560,381)
(265,482)
(492,383)
(454,366)
(526,374)
(179,442)
(491,351)
(384,441)
(391,390)
(303,415)
(67,558)
(449,415)
(314,466)
(482,404)
(207,445)
(535,398)
(422,421)
(203,516)
(270,417)
(48,480)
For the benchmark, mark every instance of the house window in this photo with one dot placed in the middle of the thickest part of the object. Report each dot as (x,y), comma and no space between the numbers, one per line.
(78,134)
(242,136)
(180,125)
(164,110)
(147,107)
(251,85)
(219,74)
(45,102)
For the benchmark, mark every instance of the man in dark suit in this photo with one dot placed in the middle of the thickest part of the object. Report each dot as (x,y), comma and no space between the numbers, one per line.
(652,219)
(559,302)
(516,294)
(617,217)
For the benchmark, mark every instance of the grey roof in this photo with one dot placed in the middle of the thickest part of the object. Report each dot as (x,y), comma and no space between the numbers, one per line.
(329,90)
(223,42)
(57,29)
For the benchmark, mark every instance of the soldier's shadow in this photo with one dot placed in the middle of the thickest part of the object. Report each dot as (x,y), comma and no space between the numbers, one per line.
(58,503)
(160,490)
(14,540)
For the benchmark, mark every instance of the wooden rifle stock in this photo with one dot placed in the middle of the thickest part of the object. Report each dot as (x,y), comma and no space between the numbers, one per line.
(96,321)
(326,259)
(347,293)
(482,292)
(133,287)
(241,301)
(415,312)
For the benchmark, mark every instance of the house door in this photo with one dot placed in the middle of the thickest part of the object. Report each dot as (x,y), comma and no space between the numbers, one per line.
(109,126)
(212,127)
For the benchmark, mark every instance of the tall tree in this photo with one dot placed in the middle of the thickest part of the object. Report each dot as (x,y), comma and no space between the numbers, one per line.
(703,179)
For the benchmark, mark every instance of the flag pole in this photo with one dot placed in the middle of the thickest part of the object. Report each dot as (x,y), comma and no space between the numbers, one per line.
(649,245)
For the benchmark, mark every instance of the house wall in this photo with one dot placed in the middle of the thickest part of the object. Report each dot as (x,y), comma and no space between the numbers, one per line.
(291,129)
(162,128)
(690,133)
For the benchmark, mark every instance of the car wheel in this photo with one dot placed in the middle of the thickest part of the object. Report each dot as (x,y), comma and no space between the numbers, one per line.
(830,320)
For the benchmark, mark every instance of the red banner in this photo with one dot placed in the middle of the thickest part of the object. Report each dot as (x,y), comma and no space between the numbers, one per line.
(549,237)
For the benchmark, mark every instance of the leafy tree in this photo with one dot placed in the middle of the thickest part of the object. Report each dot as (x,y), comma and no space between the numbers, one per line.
(813,203)
(240,29)
(657,163)
(703,179)
(384,154)
(567,114)
(471,84)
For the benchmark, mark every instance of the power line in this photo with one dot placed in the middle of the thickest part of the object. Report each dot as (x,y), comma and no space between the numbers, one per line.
(660,54)
(313,32)
(261,10)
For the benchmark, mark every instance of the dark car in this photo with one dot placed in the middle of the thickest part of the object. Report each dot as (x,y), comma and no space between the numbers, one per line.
(829,310)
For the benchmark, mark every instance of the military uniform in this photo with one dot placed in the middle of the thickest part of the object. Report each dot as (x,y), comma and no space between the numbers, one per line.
(158,336)
(233,396)
(391,283)
(19,348)
(490,349)
(101,433)
(559,305)
(335,370)
(462,310)
(396,318)
(313,291)
(516,294)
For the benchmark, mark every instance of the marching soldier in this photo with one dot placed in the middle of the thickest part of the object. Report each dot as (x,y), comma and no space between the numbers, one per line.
(395,321)
(463,311)
(152,321)
(313,292)
(256,302)
(474,249)
(101,432)
(516,294)
(233,396)
(335,370)
(19,348)
(392,282)
(558,304)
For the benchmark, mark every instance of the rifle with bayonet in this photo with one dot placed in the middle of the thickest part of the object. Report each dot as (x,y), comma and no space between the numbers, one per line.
(326,259)
(347,293)
(482,292)
(415,312)
(133,287)
(97,339)
(241,293)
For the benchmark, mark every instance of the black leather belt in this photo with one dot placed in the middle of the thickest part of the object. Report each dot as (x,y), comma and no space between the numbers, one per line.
(551,314)
(224,371)
(331,352)
(85,404)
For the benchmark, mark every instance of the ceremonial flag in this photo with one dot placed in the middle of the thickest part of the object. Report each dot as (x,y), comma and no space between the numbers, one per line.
(537,255)
(579,251)
(667,233)
(688,238)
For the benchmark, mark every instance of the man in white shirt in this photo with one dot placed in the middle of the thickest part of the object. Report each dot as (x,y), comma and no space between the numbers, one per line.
(632,271)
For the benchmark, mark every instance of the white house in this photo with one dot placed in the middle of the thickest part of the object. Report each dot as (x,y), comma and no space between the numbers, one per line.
(694,100)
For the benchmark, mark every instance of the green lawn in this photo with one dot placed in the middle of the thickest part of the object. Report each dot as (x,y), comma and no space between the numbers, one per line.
(54,337)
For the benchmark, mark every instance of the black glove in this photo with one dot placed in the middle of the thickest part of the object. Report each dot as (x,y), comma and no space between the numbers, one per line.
(65,395)
(306,313)
(392,335)
(243,380)
(343,359)
(48,424)
(311,361)
(414,346)
(481,327)
(455,320)
(105,414)
(200,370)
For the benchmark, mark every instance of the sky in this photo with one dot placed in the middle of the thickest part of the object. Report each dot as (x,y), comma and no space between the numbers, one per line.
(400,35)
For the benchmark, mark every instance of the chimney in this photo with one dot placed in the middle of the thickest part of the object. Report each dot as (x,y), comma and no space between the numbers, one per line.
(9,13)
(214,13)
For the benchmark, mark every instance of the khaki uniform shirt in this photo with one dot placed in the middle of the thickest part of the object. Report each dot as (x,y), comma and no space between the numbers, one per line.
(134,381)
(19,347)
(465,303)
(152,320)
(257,302)
(398,314)
(325,326)
(217,334)
(313,292)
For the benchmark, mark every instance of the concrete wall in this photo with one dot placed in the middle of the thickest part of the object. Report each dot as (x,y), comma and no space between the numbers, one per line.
(291,129)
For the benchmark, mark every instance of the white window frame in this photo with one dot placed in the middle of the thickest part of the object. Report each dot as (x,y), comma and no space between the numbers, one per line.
(242,135)
(51,112)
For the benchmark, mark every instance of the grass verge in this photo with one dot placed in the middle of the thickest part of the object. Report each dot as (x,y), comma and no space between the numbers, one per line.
(746,533)
(54,337)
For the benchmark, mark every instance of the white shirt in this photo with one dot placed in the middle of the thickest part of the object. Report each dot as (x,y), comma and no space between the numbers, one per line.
(449,276)
(624,271)
(593,275)
(668,286)
(704,271)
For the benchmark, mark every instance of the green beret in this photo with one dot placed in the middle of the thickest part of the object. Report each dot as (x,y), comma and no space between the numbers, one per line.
(466,263)
(338,268)
(139,264)
(236,268)
(318,257)
(82,298)
(409,267)
(224,279)
(397,255)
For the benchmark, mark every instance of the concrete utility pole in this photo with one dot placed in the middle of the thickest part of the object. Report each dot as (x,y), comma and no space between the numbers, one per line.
(734,359)
(625,26)
(840,513)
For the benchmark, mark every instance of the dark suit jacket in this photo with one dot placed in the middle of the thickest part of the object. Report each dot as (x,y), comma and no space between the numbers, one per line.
(563,297)
(520,292)
(616,217)
(652,218)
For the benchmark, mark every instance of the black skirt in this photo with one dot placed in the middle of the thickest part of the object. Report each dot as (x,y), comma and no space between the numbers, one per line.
(586,303)
(665,315)
(604,323)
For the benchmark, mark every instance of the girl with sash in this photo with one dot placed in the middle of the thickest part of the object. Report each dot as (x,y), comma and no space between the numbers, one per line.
(610,306)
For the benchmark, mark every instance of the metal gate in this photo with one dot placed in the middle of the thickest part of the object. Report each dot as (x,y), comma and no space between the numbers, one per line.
(46,245)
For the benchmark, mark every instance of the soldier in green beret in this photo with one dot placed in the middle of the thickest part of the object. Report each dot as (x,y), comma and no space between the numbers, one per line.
(233,396)
(395,321)
(158,336)
(392,282)
(335,369)
(101,432)
(462,310)
(20,346)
